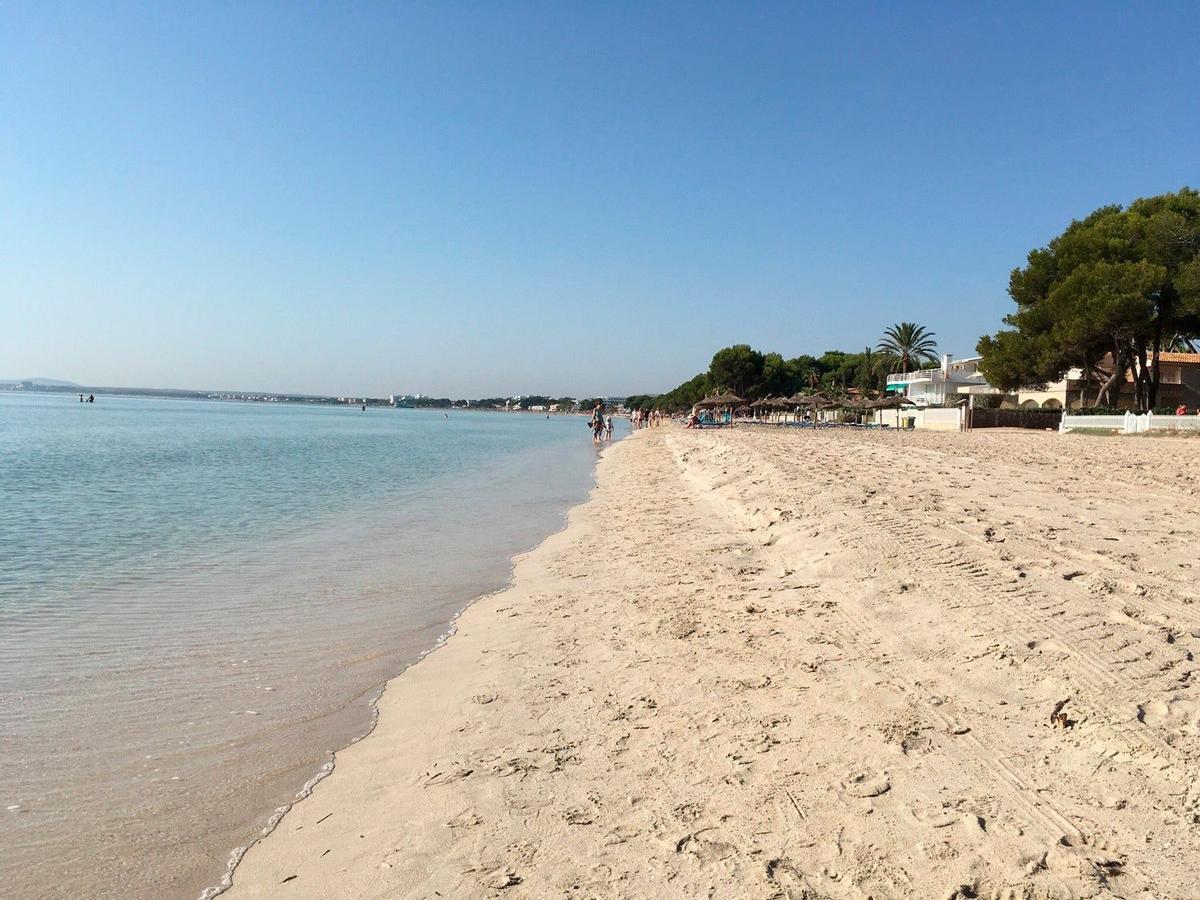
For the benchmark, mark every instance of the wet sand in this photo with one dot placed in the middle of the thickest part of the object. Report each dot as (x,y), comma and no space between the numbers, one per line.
(761,663)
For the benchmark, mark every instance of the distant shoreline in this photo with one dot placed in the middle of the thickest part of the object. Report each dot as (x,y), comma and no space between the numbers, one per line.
(261,397)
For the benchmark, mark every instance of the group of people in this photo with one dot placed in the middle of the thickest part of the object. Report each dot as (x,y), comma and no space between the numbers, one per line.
(645,418)
(602,424)
(700,419)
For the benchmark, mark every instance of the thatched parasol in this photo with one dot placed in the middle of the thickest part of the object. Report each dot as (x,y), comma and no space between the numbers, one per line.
(895,401)
(719,400)
(776,404)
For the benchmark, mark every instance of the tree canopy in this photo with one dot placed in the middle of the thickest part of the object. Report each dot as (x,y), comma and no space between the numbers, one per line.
(907,346)
(1107,296)
(753,374)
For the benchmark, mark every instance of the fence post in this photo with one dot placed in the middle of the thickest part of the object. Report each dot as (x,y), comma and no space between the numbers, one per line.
(1129,424)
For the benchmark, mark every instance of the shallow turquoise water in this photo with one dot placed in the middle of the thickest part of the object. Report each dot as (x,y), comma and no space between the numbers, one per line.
(199,599)
(119,487)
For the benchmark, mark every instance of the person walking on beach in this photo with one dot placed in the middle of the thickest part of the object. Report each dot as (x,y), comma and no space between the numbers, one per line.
(598,423)
(608,427)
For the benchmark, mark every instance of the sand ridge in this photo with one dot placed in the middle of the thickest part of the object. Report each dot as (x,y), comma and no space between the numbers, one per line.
(761,663)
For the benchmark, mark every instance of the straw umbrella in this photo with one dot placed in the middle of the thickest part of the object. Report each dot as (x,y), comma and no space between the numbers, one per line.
(762,404)
(893,401)
(720,401)
(782,405)
(792,403)
(822,402)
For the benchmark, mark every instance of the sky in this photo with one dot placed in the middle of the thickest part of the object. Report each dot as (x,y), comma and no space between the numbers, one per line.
(478,199)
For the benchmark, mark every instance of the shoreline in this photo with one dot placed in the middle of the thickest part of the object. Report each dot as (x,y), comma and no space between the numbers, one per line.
(779,665)
(230,882)
(330,766)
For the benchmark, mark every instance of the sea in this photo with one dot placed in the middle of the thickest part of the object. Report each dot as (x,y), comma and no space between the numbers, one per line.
(200,602)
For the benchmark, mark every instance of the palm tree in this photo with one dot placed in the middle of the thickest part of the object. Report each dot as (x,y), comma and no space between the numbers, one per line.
(907,345)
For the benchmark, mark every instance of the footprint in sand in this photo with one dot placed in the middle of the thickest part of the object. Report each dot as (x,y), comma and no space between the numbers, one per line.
(916,742)
(579,816)
(1173,713)
(447,776)
(706,845)
(790,880)
(466,819)
(935,816)
(500,879)
(866,784)
(620,834)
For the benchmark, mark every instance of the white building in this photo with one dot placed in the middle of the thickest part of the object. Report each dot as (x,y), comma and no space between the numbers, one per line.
(947,383)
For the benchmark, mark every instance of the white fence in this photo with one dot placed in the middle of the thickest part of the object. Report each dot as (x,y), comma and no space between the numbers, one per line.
(1131,424)
(933,418)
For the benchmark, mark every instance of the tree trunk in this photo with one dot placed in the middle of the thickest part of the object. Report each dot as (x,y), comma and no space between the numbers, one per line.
(1089,373)
(1120,366)
(1155,369)
(1142,382)
(1166,314)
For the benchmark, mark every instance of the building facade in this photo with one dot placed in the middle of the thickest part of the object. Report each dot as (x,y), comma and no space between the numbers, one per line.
(952,382)
(1179,383)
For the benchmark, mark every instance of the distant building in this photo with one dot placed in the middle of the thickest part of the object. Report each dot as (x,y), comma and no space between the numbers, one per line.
(1179,383)
(953,380)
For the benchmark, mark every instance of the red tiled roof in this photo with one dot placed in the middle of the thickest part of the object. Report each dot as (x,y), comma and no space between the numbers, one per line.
(1180,358)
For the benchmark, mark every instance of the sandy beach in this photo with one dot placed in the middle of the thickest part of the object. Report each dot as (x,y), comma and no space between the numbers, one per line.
(763,663)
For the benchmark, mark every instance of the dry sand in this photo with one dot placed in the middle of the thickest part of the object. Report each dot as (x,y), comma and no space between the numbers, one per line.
(801,664)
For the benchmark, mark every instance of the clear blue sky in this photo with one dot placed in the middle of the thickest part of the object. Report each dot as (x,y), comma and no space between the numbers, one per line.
(485,198)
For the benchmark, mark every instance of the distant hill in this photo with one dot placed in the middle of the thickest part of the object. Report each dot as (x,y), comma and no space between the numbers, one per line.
(41,382)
